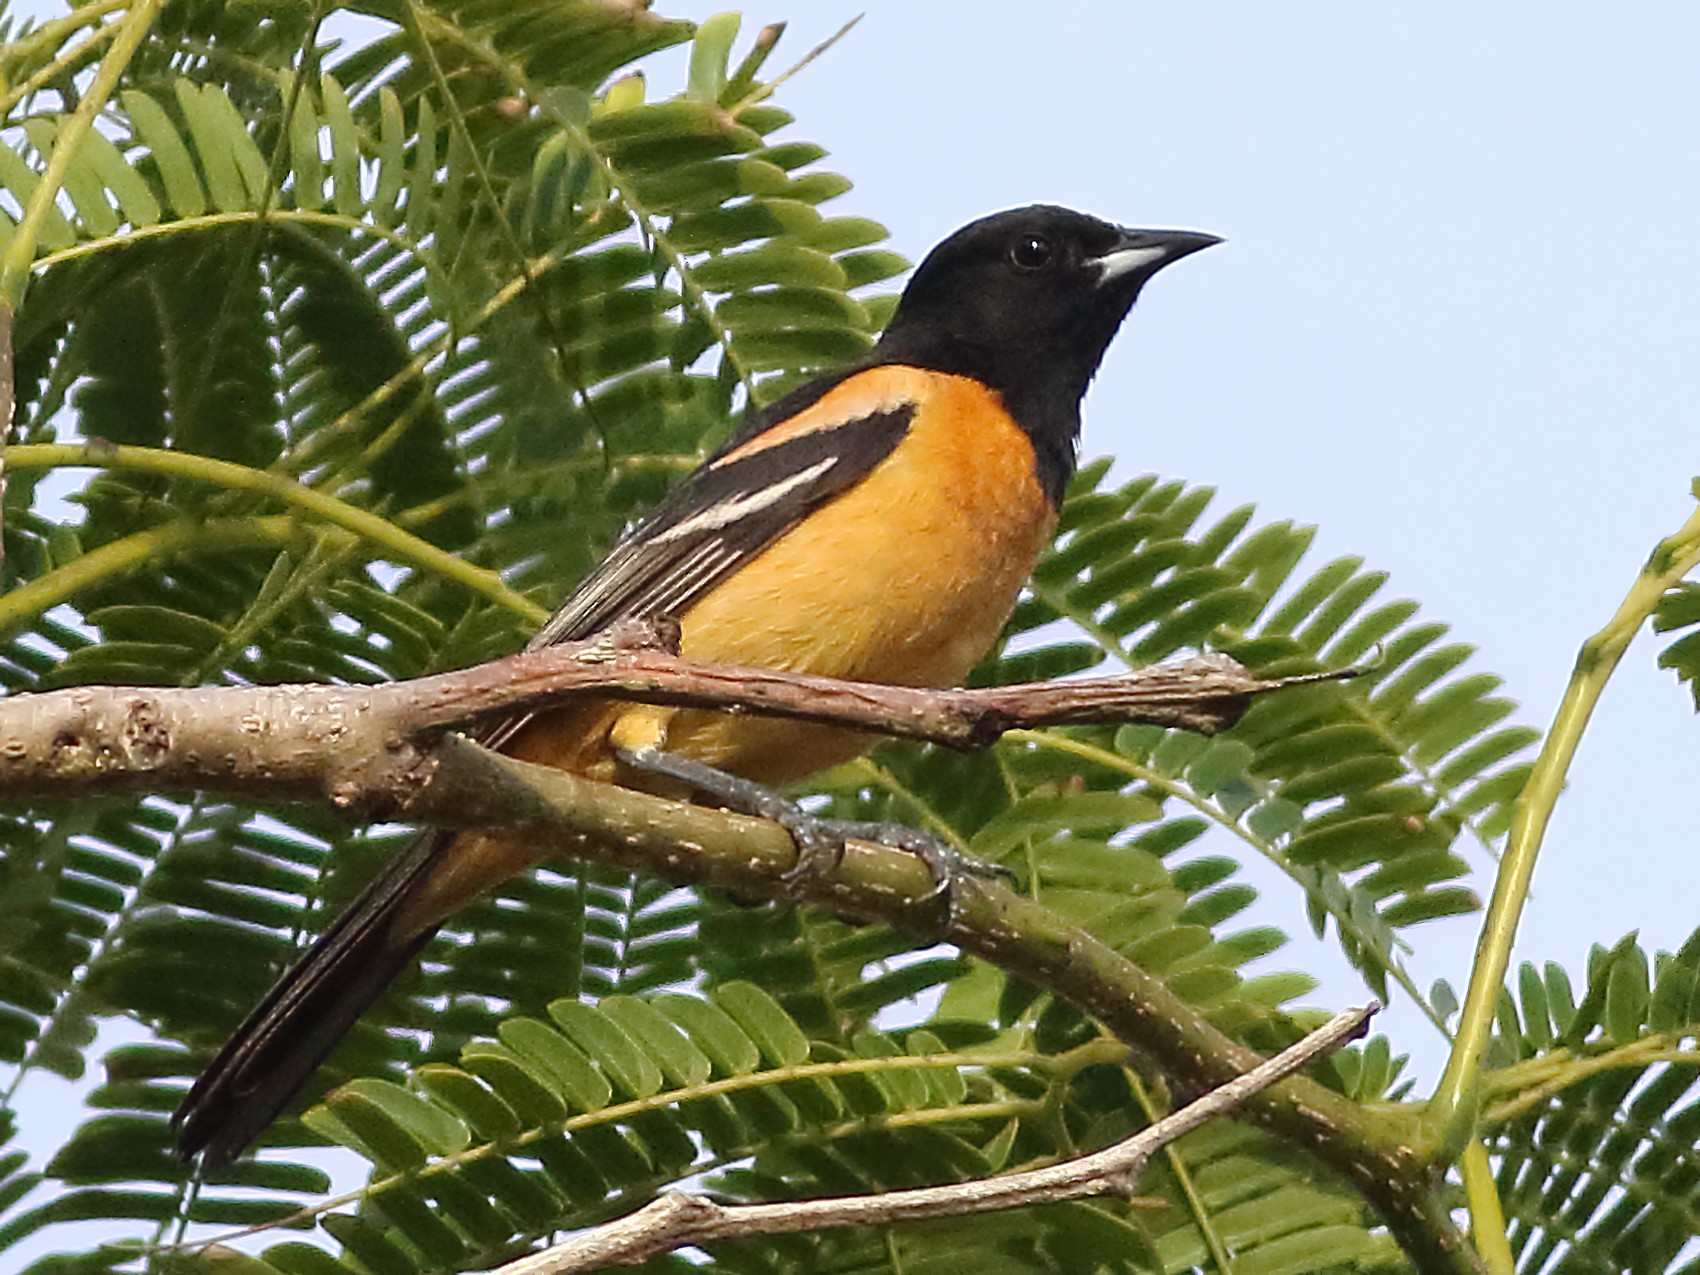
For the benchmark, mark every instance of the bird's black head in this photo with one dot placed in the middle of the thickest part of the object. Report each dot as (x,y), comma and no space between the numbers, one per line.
(1027,301)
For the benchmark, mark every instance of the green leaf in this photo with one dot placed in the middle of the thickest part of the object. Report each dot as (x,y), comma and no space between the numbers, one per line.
(614,1051)
(710,55)
(757,1013)
(1679,609)
(557,1063)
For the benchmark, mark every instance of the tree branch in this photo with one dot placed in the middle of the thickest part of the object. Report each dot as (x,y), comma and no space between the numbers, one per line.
(369,749)
(385,751)
(1378,1151)
(678,1219)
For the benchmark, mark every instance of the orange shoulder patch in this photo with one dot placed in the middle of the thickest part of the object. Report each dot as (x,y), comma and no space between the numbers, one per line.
(879,389)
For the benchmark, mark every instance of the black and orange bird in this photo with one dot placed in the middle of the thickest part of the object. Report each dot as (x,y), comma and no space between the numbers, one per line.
(876,524)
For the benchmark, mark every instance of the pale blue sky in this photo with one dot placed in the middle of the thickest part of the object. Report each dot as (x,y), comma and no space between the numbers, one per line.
(1454,323)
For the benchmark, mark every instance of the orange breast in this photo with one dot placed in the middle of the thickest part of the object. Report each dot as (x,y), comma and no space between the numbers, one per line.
(906,579)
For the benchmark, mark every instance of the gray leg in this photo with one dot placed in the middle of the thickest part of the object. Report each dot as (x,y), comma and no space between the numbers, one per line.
(820,842)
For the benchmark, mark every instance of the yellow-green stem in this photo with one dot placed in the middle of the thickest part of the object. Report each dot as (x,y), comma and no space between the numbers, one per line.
(20,253)
(1195,1202)
(1487,1219)
(132,235)
(64,64)
(1452,1110)
(45,592)
(401,545)
(52,34)
(1511,1092)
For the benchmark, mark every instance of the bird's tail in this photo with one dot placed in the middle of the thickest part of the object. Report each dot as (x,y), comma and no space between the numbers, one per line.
(279,1046)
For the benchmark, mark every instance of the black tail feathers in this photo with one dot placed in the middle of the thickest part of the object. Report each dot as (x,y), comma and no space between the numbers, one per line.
(279,1046)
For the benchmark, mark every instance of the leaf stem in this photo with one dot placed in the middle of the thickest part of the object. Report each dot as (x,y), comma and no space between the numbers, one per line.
(45,592)
(1487,1219)
(1344,921)
(1453,1109)
(1512,1091)
(20,253)
(64,63)
(1101,1051)
(1195,1201)
(403,545)
(246,216)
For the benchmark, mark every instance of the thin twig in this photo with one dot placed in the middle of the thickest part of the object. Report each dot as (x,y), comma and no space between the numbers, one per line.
(676,1220)
(369,748)
(453,782)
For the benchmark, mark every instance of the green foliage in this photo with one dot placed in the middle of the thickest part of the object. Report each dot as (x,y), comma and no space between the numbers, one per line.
(1680,609)
(1597,1171)
(470,279)
(1359,792)
(485,298)
(557,1123)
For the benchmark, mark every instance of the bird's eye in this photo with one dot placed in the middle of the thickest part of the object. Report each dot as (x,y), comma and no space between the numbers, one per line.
(1031,252)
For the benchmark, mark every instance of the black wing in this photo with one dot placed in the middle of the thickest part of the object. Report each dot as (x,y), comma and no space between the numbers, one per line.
(720,517)
(725,513)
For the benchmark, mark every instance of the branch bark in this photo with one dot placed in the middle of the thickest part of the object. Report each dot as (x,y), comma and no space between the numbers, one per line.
(370,749)
(678,1219)
(1380,1151)
(387,751)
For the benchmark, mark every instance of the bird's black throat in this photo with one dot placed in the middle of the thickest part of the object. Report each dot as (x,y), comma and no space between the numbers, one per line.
(1041,390)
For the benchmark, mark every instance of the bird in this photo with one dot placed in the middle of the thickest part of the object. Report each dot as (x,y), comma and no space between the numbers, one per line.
(876,524)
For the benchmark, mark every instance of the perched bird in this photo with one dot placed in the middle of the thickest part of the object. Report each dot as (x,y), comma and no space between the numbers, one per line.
(876,524)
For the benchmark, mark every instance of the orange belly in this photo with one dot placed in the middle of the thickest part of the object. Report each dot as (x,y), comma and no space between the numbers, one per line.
(907,580)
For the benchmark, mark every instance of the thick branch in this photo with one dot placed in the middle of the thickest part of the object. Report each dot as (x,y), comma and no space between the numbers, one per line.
(675,1220)
(382,750)
(369,747)
(1377,1150)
